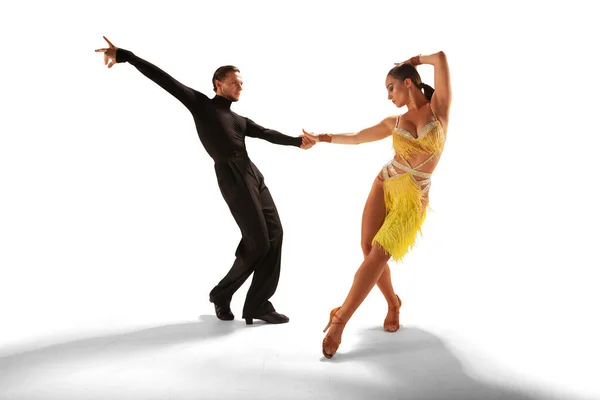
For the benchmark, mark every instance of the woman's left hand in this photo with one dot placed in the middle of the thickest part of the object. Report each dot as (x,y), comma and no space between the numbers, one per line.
(414,61)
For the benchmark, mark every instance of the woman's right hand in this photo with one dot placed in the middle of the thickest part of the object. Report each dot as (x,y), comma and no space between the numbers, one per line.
(310,135)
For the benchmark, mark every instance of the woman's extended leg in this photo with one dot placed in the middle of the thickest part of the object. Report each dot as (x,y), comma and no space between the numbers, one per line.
(368,274)
(373,217)
(365,278)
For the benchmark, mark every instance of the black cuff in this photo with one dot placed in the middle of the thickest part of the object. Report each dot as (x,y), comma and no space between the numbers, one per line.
(123,55)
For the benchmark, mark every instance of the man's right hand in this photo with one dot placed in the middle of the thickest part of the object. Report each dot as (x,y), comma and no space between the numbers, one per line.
(309,137)
(307,141)
(110,53)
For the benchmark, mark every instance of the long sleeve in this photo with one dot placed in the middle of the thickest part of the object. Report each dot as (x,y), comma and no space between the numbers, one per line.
(270,135)
(181,92)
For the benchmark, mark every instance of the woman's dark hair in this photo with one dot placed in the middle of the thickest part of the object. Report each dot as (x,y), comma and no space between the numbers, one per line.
(403,71)
(221,72)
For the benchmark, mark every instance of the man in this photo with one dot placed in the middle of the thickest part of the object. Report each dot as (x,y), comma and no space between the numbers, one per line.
(222,133)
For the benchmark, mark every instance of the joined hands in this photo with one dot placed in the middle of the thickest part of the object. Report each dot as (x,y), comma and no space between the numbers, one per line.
(309,139)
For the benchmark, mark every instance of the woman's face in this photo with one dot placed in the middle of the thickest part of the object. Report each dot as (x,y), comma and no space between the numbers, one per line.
(397,91)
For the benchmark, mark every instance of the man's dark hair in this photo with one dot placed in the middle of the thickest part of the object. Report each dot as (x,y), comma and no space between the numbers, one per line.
(221,72)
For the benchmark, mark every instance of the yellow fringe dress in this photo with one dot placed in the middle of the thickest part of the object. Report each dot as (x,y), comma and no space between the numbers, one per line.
(403,192)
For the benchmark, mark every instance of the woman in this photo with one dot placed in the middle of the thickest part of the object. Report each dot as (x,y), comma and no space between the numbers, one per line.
(395,208)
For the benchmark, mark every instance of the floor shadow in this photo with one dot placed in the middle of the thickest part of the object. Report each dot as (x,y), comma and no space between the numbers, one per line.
(419,366)
(207,328)
(411,364)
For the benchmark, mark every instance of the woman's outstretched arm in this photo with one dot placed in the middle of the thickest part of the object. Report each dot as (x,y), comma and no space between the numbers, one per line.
(371,134)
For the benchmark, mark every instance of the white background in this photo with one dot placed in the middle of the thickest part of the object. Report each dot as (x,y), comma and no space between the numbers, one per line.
(111,218)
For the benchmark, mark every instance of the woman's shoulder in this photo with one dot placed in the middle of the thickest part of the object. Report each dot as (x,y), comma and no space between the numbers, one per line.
(392,120)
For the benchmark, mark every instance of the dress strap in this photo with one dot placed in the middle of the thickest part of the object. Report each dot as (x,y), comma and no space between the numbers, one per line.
(418,166)
(433,112)
(425,162)
(411,170)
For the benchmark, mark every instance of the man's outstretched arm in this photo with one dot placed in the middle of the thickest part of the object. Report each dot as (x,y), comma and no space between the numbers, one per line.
(271,135)
(184,94)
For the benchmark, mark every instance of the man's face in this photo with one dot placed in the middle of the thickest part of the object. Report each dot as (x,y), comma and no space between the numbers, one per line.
(231,86)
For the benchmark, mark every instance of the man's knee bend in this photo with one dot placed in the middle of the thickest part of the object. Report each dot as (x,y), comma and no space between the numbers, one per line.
(276,236)
(260,248)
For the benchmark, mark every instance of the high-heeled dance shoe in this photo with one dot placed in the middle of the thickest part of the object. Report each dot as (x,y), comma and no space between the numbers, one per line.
(328,341)
(393,324)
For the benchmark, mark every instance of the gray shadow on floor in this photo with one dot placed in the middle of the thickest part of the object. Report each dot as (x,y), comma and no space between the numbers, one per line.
(409,364)
(418,365)
(116,345)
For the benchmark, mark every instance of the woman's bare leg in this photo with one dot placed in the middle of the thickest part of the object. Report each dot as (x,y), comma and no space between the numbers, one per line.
(372,219)
(368,274)
(365,279)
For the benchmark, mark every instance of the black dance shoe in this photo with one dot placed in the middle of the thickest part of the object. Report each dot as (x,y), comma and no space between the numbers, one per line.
(270,318)
(224,312)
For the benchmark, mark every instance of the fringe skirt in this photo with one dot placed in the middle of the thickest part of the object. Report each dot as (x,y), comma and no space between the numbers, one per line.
(405,215)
